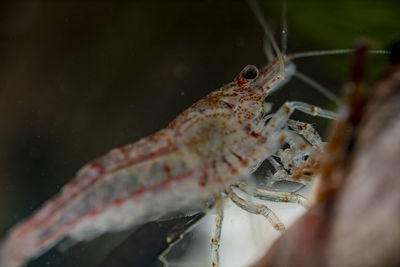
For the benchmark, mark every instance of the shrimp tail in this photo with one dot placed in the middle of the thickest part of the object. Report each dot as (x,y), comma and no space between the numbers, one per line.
(28,240)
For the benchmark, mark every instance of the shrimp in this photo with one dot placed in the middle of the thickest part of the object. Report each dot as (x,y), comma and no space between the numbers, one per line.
(217,142)
(212,144)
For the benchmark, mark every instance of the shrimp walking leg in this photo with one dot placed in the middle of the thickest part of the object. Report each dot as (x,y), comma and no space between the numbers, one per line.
(298,148)
(216,237)
(294,165)
(269,195)
(279,120)
(257,209)
(282,175)
(307,131)
(300,153)
(311,110)
(282,115)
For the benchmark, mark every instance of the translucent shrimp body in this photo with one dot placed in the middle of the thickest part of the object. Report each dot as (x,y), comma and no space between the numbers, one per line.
(212,144)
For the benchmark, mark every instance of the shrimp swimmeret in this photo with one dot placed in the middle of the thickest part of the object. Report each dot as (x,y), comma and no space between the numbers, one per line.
(217,142)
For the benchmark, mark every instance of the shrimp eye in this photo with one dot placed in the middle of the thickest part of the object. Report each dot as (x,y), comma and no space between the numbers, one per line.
(250,72)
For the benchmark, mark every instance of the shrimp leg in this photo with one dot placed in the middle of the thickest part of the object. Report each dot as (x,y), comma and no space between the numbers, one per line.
(282,175)
(269,195)
(307,131)
(282,115)
(216,237)
(257,209)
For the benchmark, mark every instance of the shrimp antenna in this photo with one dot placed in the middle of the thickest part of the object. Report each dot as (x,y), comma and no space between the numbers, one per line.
(268,49)
(318,87)
(257,11)
(315,85)
(331,52)
(284,34)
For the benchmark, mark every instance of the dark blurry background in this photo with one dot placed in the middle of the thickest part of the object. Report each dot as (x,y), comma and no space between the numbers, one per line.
(80,78)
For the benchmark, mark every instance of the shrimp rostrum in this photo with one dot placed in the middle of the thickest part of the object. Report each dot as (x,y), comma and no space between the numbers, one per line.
(217,142)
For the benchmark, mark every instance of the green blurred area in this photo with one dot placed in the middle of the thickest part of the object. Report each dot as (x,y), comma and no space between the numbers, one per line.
(325,25)
(79,78)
